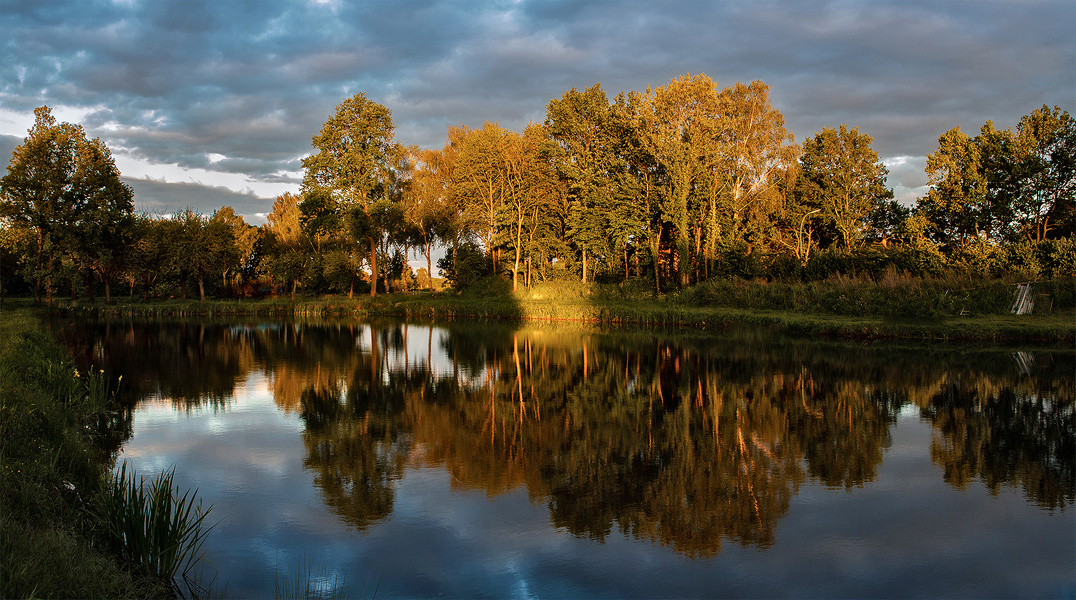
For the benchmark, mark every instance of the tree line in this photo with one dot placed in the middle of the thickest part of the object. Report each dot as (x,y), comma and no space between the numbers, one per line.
(672,186)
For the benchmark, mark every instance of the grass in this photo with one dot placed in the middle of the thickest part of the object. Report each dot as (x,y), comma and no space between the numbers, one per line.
(50,475)
(891,306)
(59,505)
(310,582)
(155,527)
(71,528)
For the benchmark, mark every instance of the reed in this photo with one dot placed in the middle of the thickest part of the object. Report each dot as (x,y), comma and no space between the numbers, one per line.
(154,526)
(310,581)
(52,542)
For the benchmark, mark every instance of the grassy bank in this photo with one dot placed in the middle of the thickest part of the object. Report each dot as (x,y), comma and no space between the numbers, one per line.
(890,307)
(55,482)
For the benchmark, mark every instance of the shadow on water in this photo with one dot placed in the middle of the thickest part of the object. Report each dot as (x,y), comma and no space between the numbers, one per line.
(687,440)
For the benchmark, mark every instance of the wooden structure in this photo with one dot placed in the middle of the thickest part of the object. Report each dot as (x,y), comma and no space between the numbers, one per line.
(1025,300)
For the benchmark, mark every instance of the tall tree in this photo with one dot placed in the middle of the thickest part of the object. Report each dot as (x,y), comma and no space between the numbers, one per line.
(531,184)
(354,161)
(581,124)
(843,178)
(679,123)
(956,205)
(480,180)
(755,151)
(283,237)
(430,212)
(639,192)
(67,190)
(233,243)
(1044,166)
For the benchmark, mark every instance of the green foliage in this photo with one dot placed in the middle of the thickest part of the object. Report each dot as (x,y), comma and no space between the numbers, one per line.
(677,186)
(841,176)
(50,472)
(153,526)
(468,264)
(66,192)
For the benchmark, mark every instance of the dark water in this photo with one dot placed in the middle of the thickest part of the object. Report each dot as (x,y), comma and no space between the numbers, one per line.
(484,461)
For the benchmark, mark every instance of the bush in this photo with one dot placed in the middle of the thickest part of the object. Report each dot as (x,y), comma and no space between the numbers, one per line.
(1022,260)
(1059,257)
(470,265)
(489,287)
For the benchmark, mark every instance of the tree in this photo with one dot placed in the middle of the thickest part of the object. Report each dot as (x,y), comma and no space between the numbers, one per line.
(956,204)
(1043,194)
(146,256)
(327,232)
(755,152)
(1002,186)
(283,237)
(844,179)
(430,213)
(678,125)
(233,242)
(638,195)
(354,162)
(581,125)
(531,183)
(202,245)
(480,180)
(67,190)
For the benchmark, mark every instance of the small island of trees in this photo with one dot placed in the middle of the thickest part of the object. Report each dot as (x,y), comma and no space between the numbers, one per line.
(668,188)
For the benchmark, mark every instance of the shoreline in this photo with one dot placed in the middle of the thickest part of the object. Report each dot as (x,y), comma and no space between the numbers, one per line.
(1059,326)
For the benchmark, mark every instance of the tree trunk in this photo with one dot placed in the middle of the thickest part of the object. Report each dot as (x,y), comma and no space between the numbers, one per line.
(655,249)
(429,265)
(373,265)
(108,291)
(89,286)
(37,269)
(515,272)
(201,289)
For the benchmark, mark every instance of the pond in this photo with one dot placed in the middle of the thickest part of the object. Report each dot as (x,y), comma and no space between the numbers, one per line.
(386,459)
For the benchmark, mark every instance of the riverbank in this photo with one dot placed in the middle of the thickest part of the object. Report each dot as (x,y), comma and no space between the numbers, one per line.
(933,310)
(54,541)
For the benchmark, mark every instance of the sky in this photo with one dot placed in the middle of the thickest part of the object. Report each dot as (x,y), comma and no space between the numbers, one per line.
(207,103)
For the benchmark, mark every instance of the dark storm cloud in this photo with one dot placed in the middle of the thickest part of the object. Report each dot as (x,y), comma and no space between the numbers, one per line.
(176,82)
(8,143)
(158,198)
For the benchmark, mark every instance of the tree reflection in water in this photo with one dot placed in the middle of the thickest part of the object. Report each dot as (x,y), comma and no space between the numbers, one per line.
(686,441)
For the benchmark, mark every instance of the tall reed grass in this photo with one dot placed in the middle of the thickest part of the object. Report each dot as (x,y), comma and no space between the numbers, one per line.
(153,526)
(310,581)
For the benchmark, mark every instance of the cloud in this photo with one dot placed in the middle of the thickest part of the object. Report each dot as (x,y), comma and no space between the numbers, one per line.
(907,178)
(171,83)
(159,198)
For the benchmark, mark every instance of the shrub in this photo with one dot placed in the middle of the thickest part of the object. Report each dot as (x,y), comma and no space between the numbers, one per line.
(470,265)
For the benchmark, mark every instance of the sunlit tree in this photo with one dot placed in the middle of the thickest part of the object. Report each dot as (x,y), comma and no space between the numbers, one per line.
(355,159)
(844,179)
(67,190)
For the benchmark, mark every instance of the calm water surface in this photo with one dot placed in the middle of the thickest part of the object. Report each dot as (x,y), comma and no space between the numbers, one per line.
(486,461)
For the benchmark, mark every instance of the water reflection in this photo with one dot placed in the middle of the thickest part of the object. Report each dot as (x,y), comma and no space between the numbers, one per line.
(690,442)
